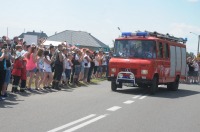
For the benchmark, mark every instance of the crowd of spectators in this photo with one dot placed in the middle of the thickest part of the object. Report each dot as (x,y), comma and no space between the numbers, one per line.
(193,70)
(34,66)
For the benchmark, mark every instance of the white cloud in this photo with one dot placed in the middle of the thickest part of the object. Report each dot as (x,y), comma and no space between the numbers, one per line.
(193,1)
(183,30)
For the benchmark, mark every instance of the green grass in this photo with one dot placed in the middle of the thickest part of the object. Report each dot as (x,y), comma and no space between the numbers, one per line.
(93,81)
(97,80)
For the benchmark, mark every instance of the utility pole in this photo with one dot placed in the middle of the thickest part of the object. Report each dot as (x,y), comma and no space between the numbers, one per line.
(7,31)
(198,44)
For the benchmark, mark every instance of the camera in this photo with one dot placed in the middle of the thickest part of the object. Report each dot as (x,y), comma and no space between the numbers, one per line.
(5,46)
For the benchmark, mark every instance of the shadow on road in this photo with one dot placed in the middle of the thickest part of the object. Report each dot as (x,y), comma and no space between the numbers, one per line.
(164,93)
(14,98)
(161,93)
(133,90)
(10,101)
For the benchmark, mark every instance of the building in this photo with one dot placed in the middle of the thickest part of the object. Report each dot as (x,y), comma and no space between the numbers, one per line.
(34,37)
(79,39)
(40,35)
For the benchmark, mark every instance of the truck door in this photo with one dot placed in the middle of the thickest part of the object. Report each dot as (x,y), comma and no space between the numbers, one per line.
(166,61)
(159,61)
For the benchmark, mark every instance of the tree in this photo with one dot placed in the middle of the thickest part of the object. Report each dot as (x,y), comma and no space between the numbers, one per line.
(190,54)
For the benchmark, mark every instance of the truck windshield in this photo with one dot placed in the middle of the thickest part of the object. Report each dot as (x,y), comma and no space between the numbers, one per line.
(135,49)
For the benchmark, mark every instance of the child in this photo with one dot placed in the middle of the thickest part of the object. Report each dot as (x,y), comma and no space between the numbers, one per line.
(16,72)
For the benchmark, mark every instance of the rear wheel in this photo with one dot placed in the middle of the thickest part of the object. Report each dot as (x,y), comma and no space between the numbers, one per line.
(113,86)
(154,85)
(174,85)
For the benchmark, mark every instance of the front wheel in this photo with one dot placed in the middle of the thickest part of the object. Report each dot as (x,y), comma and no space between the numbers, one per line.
(113,86)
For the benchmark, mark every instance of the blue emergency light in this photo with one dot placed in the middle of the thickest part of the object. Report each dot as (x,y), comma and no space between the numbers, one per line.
(142,34)
(186,39)
(183,39)
(126,34)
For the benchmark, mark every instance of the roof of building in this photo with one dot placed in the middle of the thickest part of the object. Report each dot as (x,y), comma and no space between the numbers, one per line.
(38,34)
(78,38)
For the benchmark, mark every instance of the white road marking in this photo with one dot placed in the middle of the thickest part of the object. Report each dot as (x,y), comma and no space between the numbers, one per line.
(72,123)
(114,108)
(142,97)
(85,123)
(137,96)
(129,102)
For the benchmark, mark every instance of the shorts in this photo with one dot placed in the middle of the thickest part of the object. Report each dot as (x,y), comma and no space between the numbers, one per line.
(82,69)
(47,70)
(68,73)
(77,70)
(7,78)
(95,69)
(86,70)
(99,69)
(39,70)
(196,74)
(104,68)
(34,70)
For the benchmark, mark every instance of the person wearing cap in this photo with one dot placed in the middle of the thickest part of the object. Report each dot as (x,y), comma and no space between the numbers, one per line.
(16,72)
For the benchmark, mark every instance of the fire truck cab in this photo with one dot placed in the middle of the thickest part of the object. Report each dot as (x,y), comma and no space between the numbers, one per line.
(148,59)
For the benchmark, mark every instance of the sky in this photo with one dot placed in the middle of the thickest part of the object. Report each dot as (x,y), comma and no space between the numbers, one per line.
(102,17)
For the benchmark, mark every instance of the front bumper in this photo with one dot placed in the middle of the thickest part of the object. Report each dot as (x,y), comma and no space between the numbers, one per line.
(137,80)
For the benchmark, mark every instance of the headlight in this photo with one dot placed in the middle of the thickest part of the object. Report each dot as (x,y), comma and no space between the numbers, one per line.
(131,76)
(113,70)
(120,75)
(144,72)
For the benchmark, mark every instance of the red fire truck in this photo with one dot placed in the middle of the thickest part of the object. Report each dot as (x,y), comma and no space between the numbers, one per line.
(148,59)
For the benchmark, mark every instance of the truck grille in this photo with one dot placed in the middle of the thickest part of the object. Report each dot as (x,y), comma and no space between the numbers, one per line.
(134,71)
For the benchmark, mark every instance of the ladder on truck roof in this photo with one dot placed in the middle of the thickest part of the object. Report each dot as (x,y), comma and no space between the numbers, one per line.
(167,37)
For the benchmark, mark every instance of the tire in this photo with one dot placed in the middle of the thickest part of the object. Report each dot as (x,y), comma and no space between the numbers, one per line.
(174,85)
(154,85)
(113,86)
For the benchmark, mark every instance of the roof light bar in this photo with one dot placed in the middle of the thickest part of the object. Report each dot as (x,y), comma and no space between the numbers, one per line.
(155,34)
(126,34)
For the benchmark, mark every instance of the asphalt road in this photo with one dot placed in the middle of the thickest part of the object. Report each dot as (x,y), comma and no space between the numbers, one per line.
(95,108)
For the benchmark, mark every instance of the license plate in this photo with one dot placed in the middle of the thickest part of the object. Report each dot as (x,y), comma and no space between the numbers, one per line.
(128,84)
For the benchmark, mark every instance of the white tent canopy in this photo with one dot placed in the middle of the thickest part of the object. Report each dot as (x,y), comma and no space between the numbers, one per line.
(54,43)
